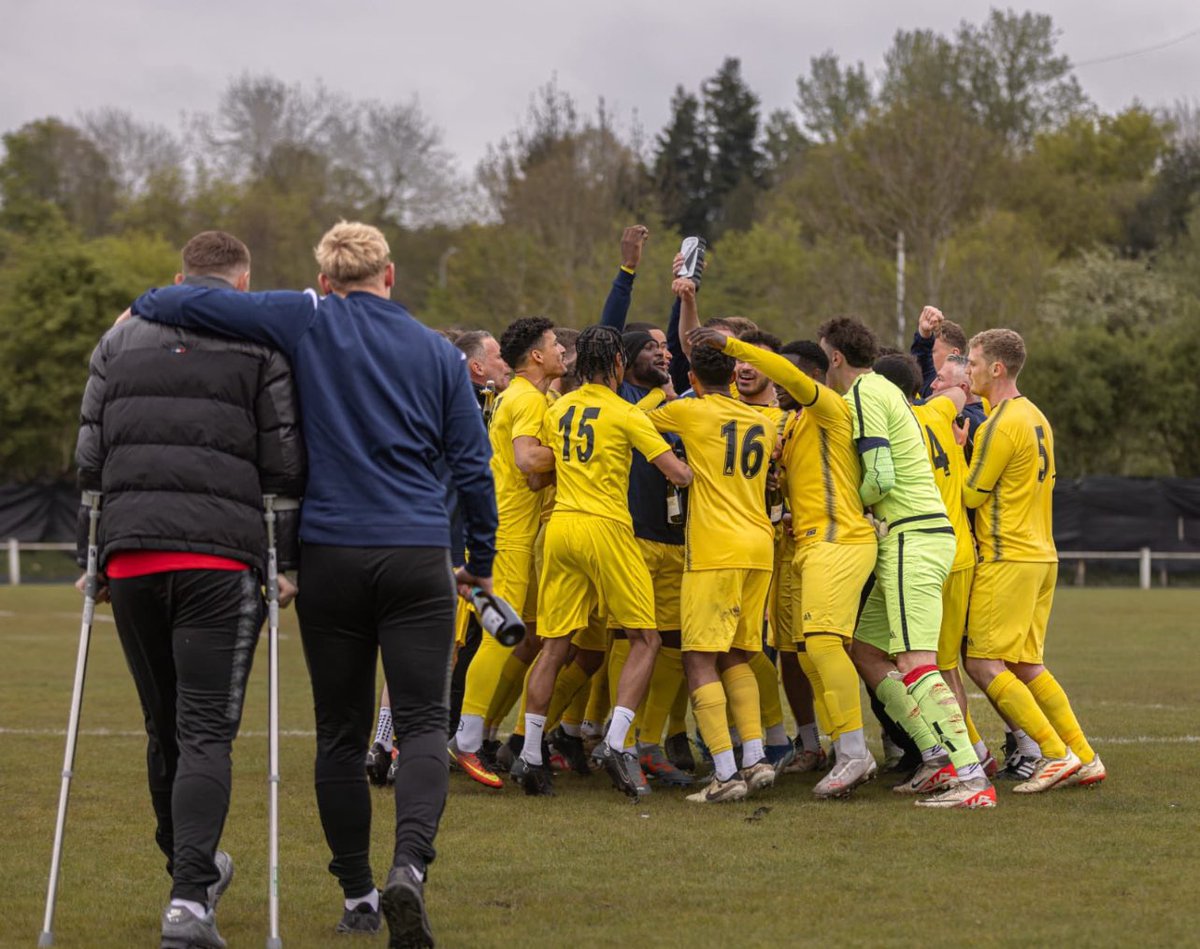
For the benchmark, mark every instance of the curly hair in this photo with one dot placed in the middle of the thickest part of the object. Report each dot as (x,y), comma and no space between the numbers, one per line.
(520,337)
(596,354)
(810,354)
(852,338)
(762,339)
(712,368)
(902,371)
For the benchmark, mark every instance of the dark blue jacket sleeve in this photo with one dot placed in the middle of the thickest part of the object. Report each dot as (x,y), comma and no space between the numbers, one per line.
(468,455)
(975,417)
(922,349)
(616,307)
(277,318)
(679,362)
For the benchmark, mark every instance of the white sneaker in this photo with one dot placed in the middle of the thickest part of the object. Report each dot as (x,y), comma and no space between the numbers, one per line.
(1088,775)
(933,775)
(845,776)
(969,795)
(1049,772)
(758,776)
(720,792)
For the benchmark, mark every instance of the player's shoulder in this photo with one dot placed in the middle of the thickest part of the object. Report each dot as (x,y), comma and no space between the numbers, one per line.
(934,409)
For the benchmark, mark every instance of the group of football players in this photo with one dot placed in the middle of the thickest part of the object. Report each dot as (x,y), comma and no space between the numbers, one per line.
(710,517)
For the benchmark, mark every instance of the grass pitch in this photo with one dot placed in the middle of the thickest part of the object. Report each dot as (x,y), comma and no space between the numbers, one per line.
(1111,866)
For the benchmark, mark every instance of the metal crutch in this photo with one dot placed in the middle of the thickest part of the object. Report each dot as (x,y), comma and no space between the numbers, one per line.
(91,499)
(273,940)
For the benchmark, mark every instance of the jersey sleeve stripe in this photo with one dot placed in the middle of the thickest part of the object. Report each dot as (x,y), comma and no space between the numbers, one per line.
(980,453)
(862,428)
(866,444)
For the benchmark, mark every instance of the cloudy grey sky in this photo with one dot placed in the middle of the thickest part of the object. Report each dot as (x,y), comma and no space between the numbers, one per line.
(473,64)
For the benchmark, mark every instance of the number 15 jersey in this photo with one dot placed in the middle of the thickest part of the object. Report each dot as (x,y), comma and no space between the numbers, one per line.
(593,431)
(728,447)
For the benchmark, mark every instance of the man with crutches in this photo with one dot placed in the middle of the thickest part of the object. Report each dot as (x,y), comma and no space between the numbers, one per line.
(184,432)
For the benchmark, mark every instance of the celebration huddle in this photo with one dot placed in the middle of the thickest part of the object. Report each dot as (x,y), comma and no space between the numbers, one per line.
(693,522)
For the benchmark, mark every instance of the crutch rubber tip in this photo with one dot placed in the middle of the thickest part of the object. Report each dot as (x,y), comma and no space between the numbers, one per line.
(45,939)
(274,943)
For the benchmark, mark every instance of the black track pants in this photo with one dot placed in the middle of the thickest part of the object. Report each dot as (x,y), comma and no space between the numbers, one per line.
(189,638)
(354,604)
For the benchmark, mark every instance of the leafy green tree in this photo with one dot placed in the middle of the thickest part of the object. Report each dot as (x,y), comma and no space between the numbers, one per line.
(735,170)
(832,100)
(681,166)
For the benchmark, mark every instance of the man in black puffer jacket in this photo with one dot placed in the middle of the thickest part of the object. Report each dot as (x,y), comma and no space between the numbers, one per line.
(183,433)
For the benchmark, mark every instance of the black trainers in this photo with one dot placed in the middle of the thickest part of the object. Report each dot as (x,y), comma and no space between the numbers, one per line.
(571,748)
(183,929)
(535,779)
(379,760)
(403,904)
(360,921)
(487,753)
(679,752)
(623,769)
(224,864)
(1018,767)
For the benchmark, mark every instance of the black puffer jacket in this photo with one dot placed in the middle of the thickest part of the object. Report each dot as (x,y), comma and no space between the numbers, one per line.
(184,432)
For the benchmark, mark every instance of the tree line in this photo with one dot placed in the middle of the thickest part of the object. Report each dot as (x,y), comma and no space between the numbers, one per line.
(1020,203)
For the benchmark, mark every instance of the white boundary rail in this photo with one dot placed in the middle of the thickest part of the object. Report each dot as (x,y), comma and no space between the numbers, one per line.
(1145,558)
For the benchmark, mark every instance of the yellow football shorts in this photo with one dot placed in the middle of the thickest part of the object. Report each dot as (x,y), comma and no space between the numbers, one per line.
(827,585)
(1010,608)
(592,565)
(956,597)
(665,563)
(594,636)
(514,579)
(723,609)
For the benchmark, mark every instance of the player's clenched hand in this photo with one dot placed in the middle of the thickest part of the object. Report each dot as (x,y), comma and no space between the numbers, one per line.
(101,588)
(929,321)
(707,336)
(287,592)
(961,428)
(632,242)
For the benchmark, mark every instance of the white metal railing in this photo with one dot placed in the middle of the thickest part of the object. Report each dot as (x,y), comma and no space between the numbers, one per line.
(1145,558)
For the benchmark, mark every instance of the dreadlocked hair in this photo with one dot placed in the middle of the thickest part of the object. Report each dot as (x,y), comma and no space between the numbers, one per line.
(596,352)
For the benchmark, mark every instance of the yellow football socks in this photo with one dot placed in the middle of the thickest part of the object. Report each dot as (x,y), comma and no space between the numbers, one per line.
(838,683)
(1054,702)
(1017,704)
(767,678)
(741,692)
(483,676)
(570,682)
(660,696)
(820,709)
(708,705)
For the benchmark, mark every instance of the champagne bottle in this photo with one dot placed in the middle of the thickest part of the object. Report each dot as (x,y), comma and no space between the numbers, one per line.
(675,516)
(498,617)
(692,267)
(489,403)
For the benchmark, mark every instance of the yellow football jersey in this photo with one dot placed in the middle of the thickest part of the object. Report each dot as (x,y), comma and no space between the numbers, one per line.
(728,447)
(520,410)
(1011,482)
(593,431)
(936,418)
(549,493)
(821,466)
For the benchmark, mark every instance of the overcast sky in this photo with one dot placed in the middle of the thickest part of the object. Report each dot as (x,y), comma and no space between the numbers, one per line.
(473,64)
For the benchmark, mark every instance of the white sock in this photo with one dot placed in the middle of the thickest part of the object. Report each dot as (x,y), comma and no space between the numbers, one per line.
(372,899)
(752,752)
(589,730)
(1025,745)
(196,909)
(383,731)
(725,764)
(777,734)
(534,726)
(981,751)
(470,733)
(852,744)
(810,737)
(570,729)
(972,772)
(618,729)
(937,751)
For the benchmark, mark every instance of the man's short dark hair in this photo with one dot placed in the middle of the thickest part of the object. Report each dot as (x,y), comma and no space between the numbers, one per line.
(471,343)
(902,371)
(641,327)
(215,253)
(809,354)
(852,338)
(712,367)
(520,337)
(567,337)
(953,336)
(762,339)
(737,325)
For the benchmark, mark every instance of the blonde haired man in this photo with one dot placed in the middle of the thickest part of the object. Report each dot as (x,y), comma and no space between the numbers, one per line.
(386,401)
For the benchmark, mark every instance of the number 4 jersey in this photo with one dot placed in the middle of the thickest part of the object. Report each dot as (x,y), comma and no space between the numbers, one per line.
(1012,481)
(949,471)
(728,447)
(593,431)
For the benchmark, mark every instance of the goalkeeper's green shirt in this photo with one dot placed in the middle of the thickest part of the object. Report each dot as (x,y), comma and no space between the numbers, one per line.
(882,418)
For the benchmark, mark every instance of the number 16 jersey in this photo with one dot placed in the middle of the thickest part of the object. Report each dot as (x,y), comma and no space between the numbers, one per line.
(728,447)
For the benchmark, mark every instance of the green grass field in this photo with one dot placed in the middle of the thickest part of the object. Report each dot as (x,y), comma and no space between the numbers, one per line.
(1111,866)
